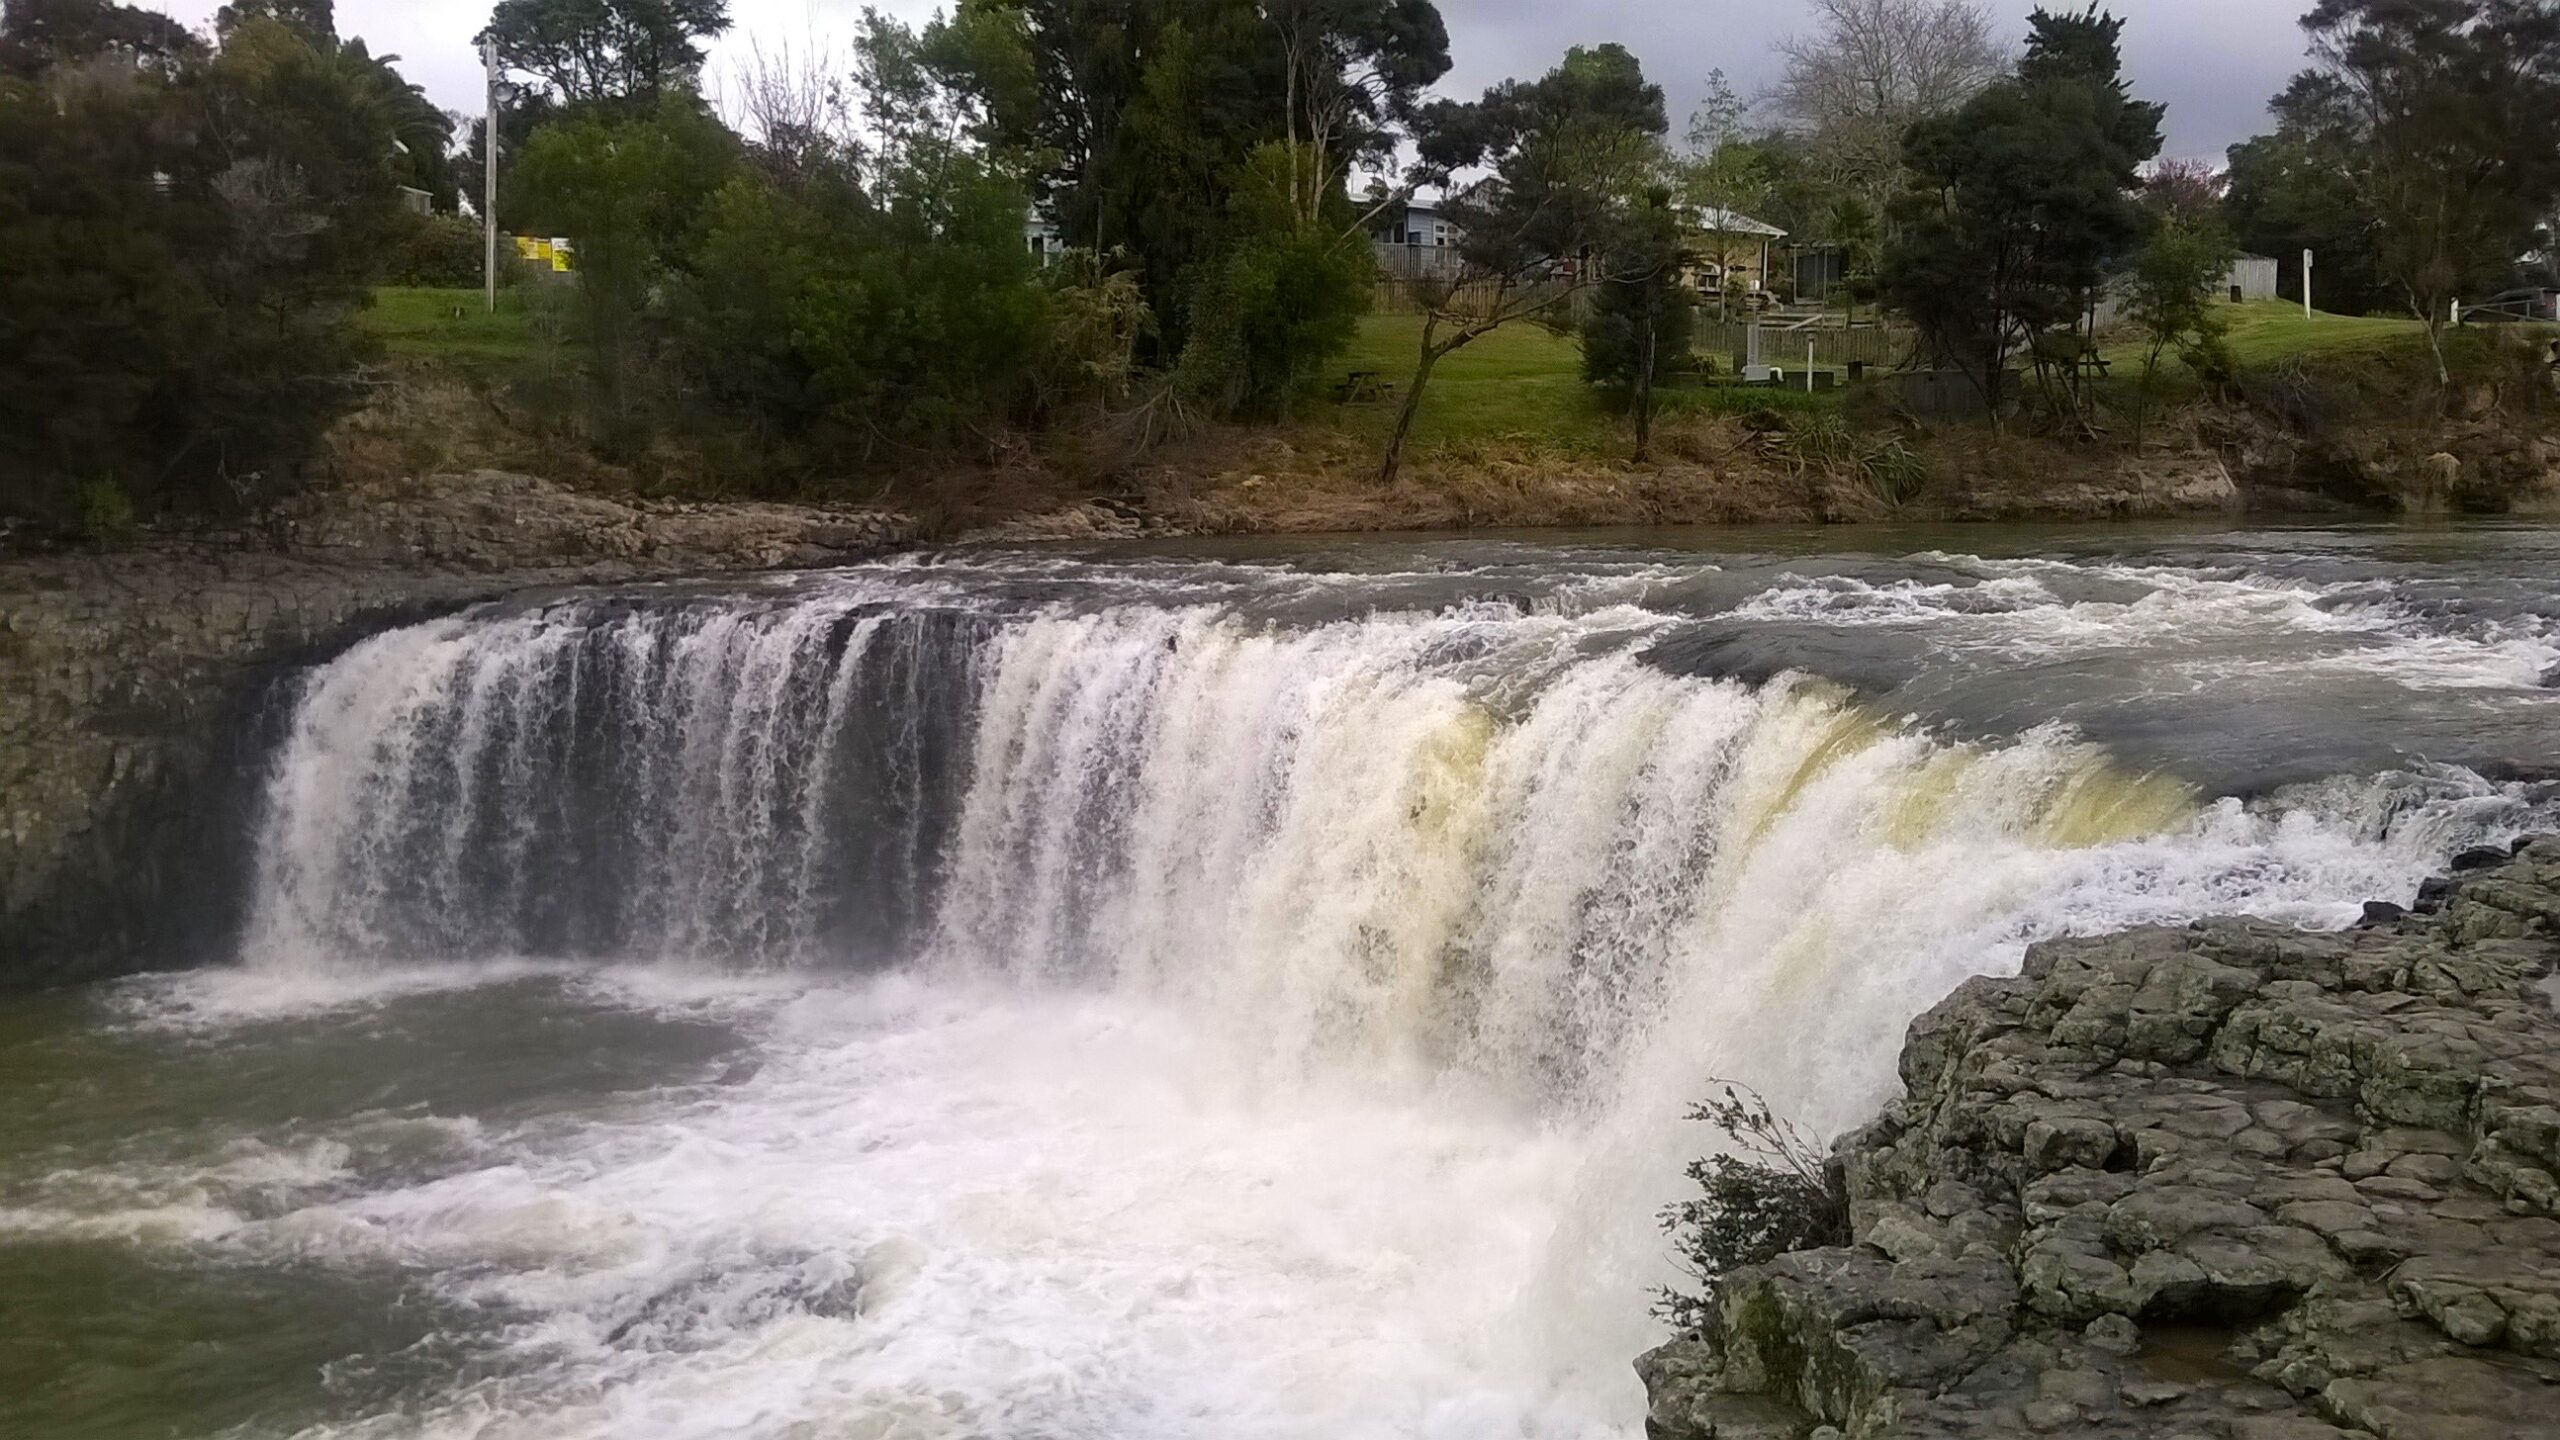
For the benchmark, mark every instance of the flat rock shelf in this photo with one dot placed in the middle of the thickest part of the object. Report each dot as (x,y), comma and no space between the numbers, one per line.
(2228,1180)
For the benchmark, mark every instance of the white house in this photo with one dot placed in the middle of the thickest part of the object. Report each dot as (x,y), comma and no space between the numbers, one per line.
(1040,233)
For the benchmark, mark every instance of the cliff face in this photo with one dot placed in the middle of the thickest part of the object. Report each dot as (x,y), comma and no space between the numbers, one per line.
(133,684)
(2230,1180)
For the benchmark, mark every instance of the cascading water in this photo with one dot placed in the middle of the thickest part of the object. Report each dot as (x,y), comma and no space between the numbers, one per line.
(1241,999)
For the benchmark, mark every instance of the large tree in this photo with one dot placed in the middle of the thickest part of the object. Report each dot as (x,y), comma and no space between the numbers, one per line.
(2292,191)
(1561,160)
(590,52)
(183,242)
(2445,114)
(1870,69)
(2021,203)
(1356,71)
(36,35)
(1133,118)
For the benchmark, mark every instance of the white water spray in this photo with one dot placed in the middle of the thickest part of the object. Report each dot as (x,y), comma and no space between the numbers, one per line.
(1286,1023)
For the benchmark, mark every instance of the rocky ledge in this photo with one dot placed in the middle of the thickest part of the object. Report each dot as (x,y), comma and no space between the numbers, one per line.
(2232,1180)
(130,679)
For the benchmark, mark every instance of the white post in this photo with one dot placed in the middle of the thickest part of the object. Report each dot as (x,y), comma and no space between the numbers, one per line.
(2306,284)
(489,180)
(1808,367)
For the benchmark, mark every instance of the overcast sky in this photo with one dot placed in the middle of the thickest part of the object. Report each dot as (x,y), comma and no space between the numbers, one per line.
(2215,62)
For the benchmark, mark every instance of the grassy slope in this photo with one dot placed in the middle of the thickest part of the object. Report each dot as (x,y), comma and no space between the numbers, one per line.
(2262,332)
(421,324)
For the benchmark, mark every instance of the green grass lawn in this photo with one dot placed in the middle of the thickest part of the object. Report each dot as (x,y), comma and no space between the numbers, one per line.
(2263,332)
(453,327)
(1520,381)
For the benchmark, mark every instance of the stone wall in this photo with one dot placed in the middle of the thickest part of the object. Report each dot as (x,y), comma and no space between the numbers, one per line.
(134,683)
(2230,1181)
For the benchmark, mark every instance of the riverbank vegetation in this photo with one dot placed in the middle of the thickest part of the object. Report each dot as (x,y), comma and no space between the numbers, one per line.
(1029,238)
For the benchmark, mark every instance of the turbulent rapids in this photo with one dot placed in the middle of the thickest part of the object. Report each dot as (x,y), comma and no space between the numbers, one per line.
(1120,997)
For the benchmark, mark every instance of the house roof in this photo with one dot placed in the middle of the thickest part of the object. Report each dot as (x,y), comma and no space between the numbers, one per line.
(1730,222)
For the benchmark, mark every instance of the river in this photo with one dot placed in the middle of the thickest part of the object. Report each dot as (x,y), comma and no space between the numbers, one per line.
(1236,990)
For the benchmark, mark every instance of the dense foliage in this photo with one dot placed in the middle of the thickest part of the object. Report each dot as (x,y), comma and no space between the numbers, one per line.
(184,233)
(1764,1192)
(2022,203)
(1638,326)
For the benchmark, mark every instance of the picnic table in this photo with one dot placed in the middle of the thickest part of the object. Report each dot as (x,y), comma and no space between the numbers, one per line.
(1360,385)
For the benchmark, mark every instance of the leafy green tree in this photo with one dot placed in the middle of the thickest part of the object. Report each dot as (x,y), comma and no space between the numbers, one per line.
(183,243)
(1640,320)
(2292,191)
(630,194)
(2446,116)
(313,22)
(36,35)
(1131,118)
(846,329)
(1275,308)
(2170,296)
(2021,202)
(1562,159)
(605,52)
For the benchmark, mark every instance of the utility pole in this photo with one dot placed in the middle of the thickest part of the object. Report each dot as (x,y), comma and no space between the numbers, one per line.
(2306,284)
(489,180)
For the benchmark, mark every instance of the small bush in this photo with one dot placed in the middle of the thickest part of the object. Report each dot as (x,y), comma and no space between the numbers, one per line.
(445,251)
(1768,1193)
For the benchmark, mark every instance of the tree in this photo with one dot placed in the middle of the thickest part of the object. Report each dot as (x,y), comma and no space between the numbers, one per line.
(1356,71)
(313,22)
(2170,295)
(1563,156)
(1849,226)
(2293,191)
(37,35)
(1639,325)
(629,192)
(2446,114)
(2020,203)
(602,52)
(1723,176)
(1282,299)
(1131,118)
(184,240)
(2183,190)
(1872,69)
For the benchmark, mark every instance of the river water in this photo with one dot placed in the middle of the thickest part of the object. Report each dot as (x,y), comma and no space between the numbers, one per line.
(1229,991)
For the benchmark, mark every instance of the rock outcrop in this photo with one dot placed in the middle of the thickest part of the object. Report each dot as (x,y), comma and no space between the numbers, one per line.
(131,681)
(2231,1181)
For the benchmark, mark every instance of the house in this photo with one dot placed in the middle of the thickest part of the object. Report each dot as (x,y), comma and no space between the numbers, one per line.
(417,201)
(1414,240)
(1040,233)
(1733,249)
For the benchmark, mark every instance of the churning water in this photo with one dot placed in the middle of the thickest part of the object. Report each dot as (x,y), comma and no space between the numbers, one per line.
(1126,995)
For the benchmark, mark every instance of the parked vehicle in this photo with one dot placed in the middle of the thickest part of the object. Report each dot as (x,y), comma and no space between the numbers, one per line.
(2534,302)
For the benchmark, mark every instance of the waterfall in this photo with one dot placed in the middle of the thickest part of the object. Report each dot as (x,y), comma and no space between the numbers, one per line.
(1491,843)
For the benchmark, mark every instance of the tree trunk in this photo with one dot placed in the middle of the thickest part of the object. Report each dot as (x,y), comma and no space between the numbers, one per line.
(1412,407)
(1644,393)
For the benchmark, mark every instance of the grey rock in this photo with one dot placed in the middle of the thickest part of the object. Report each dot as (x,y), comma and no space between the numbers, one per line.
(2343,1149)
